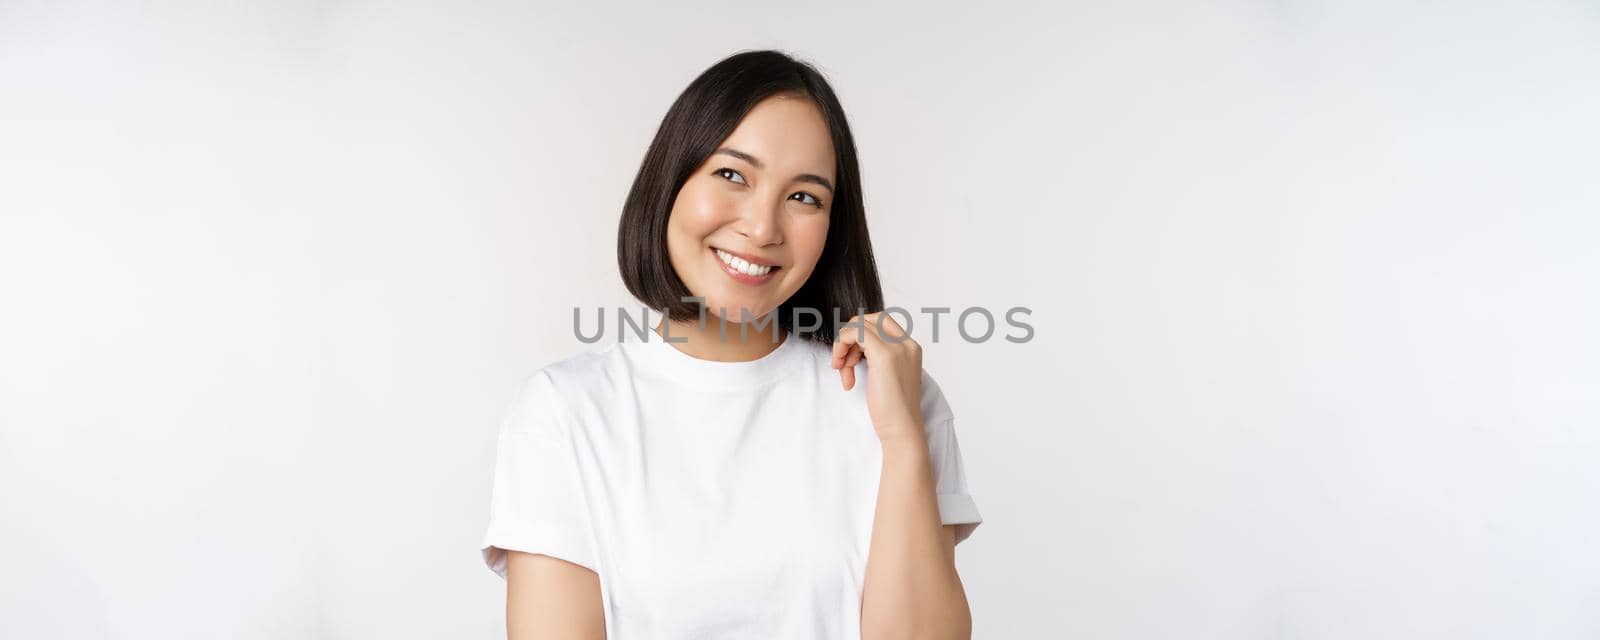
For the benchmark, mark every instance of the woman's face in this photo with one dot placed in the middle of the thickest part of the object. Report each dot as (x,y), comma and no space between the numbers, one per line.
(748,226)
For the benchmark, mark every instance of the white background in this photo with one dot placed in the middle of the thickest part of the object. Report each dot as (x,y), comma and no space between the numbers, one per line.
(1314,287)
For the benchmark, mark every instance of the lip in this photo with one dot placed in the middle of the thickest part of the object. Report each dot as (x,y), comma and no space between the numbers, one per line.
(740,276)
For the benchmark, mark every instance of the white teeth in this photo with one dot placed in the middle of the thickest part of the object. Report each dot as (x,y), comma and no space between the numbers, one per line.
(743,266)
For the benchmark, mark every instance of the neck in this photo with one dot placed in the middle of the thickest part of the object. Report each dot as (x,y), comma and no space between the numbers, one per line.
(721,342)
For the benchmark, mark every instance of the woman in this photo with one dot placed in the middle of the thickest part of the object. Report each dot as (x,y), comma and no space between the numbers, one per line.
(723,475)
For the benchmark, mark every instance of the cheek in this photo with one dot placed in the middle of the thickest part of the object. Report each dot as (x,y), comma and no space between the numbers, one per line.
(807,238)
(697,212)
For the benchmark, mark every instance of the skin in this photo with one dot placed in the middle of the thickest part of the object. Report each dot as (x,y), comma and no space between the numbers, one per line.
(752,198)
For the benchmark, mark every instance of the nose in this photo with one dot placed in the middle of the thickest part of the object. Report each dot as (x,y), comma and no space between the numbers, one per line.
(761,224)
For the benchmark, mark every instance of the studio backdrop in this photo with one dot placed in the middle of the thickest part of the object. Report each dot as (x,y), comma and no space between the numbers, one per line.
(1312,289)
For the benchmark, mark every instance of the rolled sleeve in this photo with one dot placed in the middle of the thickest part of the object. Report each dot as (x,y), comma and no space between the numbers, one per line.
(956,504)
(537,503)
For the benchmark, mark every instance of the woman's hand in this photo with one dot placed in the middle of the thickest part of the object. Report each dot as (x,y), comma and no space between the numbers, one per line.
(894,373)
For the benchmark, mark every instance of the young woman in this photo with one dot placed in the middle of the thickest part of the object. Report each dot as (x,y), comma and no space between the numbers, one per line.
(723,475)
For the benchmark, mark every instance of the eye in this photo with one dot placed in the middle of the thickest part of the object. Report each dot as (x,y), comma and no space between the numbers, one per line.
(815,201)
(730,175)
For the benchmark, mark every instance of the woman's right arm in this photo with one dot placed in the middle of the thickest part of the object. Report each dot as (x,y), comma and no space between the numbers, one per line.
(549,598)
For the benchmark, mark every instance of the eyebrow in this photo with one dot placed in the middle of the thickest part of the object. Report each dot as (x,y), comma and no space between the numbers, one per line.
(804,177)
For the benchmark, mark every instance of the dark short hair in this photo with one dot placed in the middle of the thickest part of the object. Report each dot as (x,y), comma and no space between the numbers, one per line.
(845,281)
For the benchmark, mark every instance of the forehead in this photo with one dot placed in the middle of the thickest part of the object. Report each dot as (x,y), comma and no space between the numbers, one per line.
(788,135)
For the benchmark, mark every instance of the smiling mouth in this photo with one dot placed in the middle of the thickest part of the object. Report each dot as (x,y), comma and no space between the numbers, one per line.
(744,270)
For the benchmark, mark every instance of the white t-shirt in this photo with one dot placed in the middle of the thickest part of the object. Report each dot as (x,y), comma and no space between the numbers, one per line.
(713,499)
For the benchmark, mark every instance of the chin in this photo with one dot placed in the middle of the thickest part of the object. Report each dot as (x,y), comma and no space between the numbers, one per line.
(714,307)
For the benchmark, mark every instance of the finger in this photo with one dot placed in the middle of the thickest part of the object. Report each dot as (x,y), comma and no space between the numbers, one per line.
(856,355)
(841,347)
(862,331)
(886,325)
(847,376)
(850,365)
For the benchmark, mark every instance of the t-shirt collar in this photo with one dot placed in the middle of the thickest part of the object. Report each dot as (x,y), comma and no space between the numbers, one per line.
(655,353)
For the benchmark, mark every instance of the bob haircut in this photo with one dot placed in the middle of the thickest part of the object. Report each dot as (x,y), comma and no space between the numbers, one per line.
(845,281)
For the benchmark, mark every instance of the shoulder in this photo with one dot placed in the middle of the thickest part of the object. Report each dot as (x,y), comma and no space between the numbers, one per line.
(582,370)
(543,397)
(935,408)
